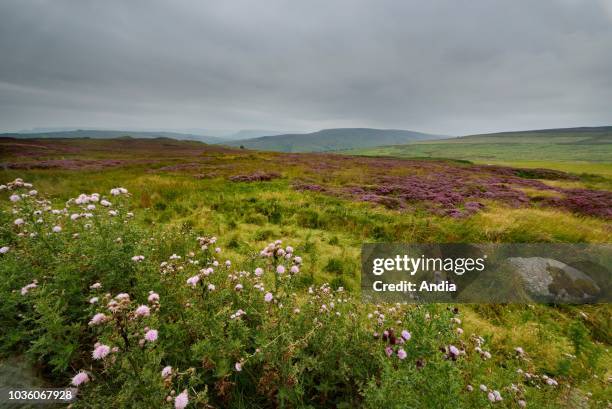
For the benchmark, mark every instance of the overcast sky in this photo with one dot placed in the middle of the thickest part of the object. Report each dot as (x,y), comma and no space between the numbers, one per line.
(442,66)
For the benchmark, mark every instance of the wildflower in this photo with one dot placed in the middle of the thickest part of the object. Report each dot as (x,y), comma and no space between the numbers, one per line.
(491,397)
(15,198)
(470,388)
(453,351)
(289,249)
(95,286)
(406,335)
(519,350)
(401,354)
(258,271)
(153,297)
(80,378)
(522,403)
(181,401)
(294,269)
(211,287)
(18,222)
(4,249)
(33,192)
(122,296)
(551,382)
(143,311)
(27,288)
(166,372)
(459,331)
(298,259)
(112,212)
(97,319)
(93,300)
(151,335)
(137,259)
(497,396)
(388,351)
(218,250)
(238,287)
(238,366)
(483,388)
(105,203)
(486,355)
(280,269)
(193,281)
(268,297)
(100,352)
(57,229)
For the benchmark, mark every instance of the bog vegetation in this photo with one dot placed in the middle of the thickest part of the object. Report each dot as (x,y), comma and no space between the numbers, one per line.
(188,289)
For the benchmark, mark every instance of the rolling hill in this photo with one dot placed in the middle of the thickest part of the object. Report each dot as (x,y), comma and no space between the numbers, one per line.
(333,140)
(571,149)
(110,134)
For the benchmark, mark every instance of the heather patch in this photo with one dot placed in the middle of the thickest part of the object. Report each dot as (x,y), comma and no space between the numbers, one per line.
(258,176)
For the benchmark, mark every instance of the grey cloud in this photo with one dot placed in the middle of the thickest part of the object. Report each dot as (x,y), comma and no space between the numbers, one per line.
(443,66)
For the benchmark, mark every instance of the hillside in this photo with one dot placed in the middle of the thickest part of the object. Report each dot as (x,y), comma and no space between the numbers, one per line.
(333,140)
(110,134)
(578,150)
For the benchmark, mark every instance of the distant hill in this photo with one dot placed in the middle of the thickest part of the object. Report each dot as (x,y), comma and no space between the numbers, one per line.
(251,133)
(583,147)
(104,134)
(332,140)
(581,135)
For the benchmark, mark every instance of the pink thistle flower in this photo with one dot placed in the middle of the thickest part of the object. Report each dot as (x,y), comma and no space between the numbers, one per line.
(389,351)
(258,271)
(294,269)
(401,354)
(18,222)
(15,198)
(93,300)
(143,311)
(193,281)
(4,249)
(453,350)
(153,297)
(166,372)
(151,335)
(181,401)
(406,335)
(95,286)
(27,288)
(238,287)
(280,269)
(238,366)
(98,319)
(100,352)
(80,378)
(211,287)
(122,296)
(268,297)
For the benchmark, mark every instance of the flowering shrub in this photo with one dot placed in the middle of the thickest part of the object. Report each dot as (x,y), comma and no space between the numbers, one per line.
(136,318)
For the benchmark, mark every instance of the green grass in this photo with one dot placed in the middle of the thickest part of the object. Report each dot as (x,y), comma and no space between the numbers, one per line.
(328,231)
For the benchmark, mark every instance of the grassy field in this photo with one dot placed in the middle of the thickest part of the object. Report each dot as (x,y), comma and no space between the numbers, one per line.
(576,152)
(326,206)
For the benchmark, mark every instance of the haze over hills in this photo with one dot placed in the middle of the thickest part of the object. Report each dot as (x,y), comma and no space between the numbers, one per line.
(333,140)
(109,134)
